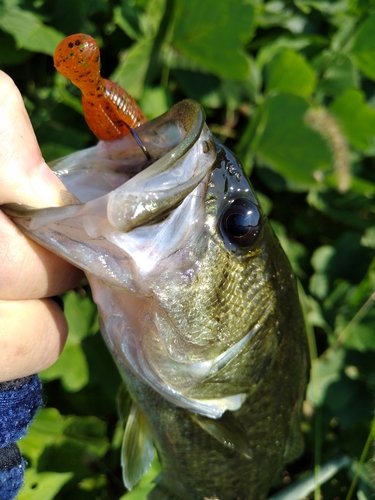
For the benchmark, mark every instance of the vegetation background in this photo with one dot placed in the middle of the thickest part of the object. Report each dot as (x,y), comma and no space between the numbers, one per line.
(290,86)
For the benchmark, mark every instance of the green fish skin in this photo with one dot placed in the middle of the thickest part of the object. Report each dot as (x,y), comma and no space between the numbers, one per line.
(198,306)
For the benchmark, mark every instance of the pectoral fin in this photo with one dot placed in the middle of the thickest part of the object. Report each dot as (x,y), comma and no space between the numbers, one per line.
(137,448)
(227,430)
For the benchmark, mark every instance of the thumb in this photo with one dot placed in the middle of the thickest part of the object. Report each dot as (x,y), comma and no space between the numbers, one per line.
(24,175)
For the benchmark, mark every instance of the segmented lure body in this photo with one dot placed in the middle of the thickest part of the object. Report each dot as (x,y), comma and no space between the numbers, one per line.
(109,110)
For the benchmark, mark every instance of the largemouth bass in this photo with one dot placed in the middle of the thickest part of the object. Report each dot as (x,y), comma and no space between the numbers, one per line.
(197,300)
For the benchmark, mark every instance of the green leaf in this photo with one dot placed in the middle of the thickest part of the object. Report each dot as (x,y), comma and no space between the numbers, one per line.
(363,49)
(43,485)
(339,73)
(319,284)
(314,313)
(322,257)
(45,430)
(154,102)
(131,72)
(361,337)
(29,32)
(357,119)
(153,16)
(287,144)
(213,34)
(269,51)
(290,72)
(71,368)
(324,372)
(81,315)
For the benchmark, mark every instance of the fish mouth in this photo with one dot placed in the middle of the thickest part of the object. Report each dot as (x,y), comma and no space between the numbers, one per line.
(138,188)
(114,192)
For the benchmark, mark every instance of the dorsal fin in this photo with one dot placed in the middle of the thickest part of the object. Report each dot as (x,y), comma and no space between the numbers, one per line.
(137,448)
(227,430)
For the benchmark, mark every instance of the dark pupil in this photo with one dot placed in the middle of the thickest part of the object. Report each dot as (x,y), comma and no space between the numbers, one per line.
(241,222)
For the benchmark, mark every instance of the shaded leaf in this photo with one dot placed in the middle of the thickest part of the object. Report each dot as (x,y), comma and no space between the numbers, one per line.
(214,33)
(368,238)
(293,249)
(270,51)
(361,337)
(339,73)
(88,432)
(131,72)
(127,18)
(324,372)
(10,54)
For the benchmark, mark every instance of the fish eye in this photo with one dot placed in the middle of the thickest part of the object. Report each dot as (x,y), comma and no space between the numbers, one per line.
(241,222)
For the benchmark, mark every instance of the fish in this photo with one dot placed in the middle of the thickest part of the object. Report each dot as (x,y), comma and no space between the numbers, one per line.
(197,300)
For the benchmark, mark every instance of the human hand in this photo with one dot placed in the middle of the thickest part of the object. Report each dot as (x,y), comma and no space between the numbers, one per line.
(33,329)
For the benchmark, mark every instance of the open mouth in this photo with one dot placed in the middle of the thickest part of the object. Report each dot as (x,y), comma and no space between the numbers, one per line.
(136,187)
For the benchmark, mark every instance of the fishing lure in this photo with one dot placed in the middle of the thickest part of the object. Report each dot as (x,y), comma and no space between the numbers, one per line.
(109,110)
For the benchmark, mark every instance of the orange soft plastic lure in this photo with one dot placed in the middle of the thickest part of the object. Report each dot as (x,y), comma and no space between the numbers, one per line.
(110,112)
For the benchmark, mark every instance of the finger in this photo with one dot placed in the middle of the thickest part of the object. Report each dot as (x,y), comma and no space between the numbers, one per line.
(28,271)
(24,176)
(40,341)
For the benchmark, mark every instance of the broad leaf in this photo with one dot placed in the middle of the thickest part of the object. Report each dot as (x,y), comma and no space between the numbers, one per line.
(29,32)
(214,33)
(71,368)
(324,372)
(287,144)
(356,118)
(43,485)
(290,72)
